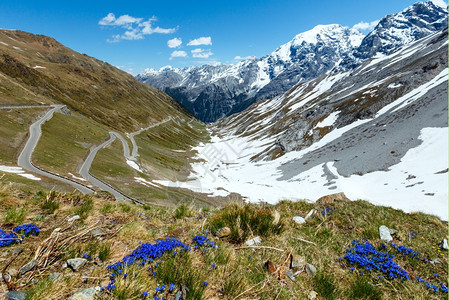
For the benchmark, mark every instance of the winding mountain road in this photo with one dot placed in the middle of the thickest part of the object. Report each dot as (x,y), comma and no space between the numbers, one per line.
(24,159)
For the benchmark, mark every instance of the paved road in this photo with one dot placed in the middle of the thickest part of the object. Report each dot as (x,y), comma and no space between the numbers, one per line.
(25,106)
(24,159)
(131,135)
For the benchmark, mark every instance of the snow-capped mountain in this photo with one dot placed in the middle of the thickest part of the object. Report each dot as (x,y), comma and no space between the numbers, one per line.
(396,30)
(378,132)
(211,92)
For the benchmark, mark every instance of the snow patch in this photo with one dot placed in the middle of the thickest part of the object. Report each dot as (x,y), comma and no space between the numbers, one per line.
(329,120)
(39,67)
(145,182)
(133,165)
(18,171)
(75,177)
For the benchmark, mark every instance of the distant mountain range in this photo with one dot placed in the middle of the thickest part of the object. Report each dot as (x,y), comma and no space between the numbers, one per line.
(212,92)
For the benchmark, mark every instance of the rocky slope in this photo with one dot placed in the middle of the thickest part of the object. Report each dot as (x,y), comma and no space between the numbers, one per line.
(211,92)
(378,132)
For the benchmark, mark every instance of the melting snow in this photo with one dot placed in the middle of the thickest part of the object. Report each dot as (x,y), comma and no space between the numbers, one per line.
(18,171)
(329,120)
(79,178)
(39,67)
(133,165)
(144,182)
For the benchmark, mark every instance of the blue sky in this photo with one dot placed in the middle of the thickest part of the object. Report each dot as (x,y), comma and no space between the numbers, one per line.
(135,35)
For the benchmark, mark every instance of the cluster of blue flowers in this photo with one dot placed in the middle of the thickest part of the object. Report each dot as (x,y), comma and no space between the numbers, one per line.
(27,229)
(24,230)
(144,254)
(366,256)
(203,241)
(327,211)
(159,290)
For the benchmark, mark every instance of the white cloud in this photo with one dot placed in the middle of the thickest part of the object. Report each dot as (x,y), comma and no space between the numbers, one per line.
(136,28)
(204,40)
(365,25)
(174,43)
(238,57)
(201,53)
(178,54)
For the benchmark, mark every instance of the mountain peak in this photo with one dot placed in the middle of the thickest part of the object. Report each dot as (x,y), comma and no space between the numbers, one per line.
(327,32)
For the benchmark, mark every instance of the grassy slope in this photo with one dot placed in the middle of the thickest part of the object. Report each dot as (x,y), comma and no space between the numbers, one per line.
(65,141)
(87,85)
(239,272)
(13,130)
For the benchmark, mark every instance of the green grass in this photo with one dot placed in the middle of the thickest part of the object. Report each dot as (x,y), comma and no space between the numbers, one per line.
(15,215)
(13,129)
(65,142)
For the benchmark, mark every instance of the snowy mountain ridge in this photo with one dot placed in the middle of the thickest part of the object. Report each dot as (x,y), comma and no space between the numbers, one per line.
(212,92)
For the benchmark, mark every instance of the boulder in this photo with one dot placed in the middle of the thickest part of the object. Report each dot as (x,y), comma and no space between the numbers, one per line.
(328,199)
(85,294)
(297,263)
(254,242)
(443,244)
(74,218)
(311,270)
(16,295)
(299,220)
(384,233)
(76,263)
(223,232)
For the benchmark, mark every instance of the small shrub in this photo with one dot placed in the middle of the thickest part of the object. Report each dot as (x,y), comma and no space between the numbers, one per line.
(84,210)
(50,206)
(125,207)
(15,215)
(183,211)
(107,208)
(105,251)
(324,286)
(245,221)
(362,289)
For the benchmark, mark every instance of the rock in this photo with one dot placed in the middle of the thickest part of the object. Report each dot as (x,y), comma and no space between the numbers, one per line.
(299,220)
(98,233)
(74,218)
(86,294)
(223,232)
(443,244)
(55,276)
(28,267)
(311,270)
(15,251)
(64,266)
(16,295)
(76,263)
(312,295)
(328,199)
(290,275)
(392,231)
(297,263)
(254,242)
(270,267)
(384,233)
(178,296)
(276,217)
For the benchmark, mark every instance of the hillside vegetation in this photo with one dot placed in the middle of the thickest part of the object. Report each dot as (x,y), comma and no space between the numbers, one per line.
(138,252)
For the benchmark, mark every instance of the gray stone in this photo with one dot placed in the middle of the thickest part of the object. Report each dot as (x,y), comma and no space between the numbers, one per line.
(13,272)
(98,233)
(254,242)
(443,244)
(55,276)
(178,295)
(16,295)
(64,266)
(290,275)
(28,267)
(384,233)
(74,218)
(86,294)
(299,220)
(297,263)
(311,270)
(76,263)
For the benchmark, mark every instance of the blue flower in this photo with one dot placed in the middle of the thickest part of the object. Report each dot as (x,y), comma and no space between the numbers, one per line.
(172,287)
(205,283)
